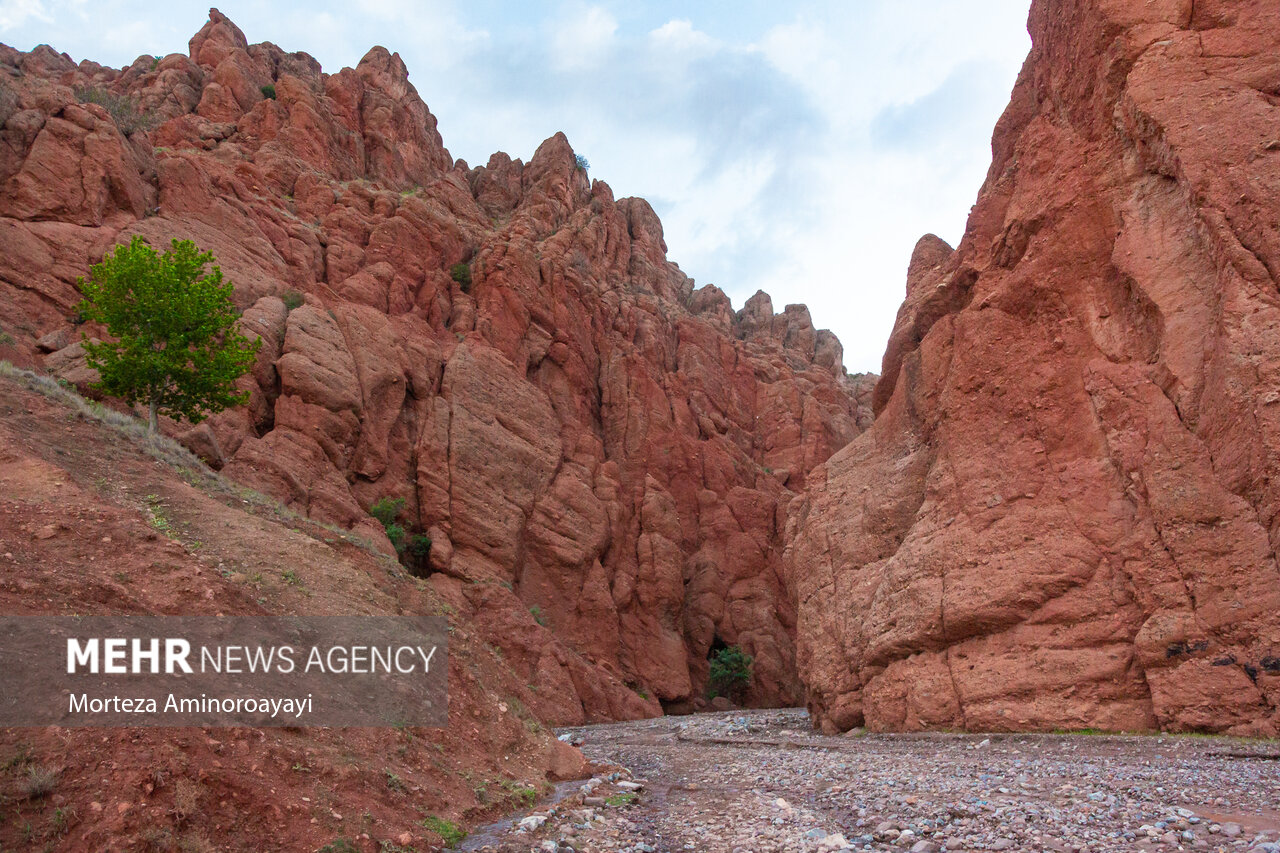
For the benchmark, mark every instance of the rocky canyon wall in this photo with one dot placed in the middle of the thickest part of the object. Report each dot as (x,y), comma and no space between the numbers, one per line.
(1067,511)
(602,455)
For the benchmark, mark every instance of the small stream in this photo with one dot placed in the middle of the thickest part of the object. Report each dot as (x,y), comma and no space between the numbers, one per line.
(491,833)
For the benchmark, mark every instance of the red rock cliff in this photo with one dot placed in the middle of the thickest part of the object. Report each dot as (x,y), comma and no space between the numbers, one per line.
(1067,511)
(601,455)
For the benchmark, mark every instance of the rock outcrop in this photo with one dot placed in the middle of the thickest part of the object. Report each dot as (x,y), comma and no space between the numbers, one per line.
(601,455)
(1067,511)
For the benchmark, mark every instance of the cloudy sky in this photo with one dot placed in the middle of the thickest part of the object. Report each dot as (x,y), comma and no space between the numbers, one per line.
(799,147)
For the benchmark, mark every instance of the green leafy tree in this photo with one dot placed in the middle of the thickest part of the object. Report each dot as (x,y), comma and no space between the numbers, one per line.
(176,347)
(730,674)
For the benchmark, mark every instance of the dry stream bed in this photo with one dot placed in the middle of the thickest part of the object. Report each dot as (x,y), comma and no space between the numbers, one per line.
(764,781)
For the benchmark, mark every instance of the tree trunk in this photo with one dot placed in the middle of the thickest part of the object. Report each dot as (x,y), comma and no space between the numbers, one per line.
(153,425)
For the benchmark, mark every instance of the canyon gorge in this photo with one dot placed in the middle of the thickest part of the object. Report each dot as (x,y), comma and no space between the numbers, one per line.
(1057,507)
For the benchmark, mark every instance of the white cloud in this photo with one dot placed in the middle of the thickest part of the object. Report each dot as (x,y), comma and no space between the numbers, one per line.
(679,36)
(583,38)
(15,13)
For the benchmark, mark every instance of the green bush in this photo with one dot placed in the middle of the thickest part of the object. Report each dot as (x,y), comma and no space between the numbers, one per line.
(387,510)
(461,273)
(122,108)
(269,92)
(536,612)
(292,299)
(582,162)
(396,534)
(730,673)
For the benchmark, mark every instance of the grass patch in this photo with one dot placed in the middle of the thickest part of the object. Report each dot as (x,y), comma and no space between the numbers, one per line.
(123,109)
(339,845)
(521,794)
(623,798)
(450,833)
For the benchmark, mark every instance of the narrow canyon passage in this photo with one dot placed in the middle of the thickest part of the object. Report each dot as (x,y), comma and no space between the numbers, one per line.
(765,781)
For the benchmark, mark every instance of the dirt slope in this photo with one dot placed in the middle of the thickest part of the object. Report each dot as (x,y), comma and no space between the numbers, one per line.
(90,522)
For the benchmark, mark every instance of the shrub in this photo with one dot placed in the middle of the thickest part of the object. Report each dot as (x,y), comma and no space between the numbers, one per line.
(387,510)
(122,108)
(730,672)
(269,92)
(461,273)
(40,782)
(176,345)
(420,547)
(582,162)
(292,299)
(536,612)
(450,833)
(396,534)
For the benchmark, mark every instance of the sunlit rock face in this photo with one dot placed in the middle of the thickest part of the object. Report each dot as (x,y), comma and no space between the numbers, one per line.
(1066,513)
(602,455)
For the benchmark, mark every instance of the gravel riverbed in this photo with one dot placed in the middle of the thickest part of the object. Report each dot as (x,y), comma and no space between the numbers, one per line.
(764,781)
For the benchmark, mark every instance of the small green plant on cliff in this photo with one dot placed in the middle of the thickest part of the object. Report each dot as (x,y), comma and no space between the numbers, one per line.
(536,612)
(177,347)
(292,299)
(730,673)
(582,162)
(123,109)
(269,92)
(461,273)
(419,549)
(387,510)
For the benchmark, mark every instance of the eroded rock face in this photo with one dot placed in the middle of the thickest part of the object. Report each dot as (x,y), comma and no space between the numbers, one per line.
(601,455)
(1066,513)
